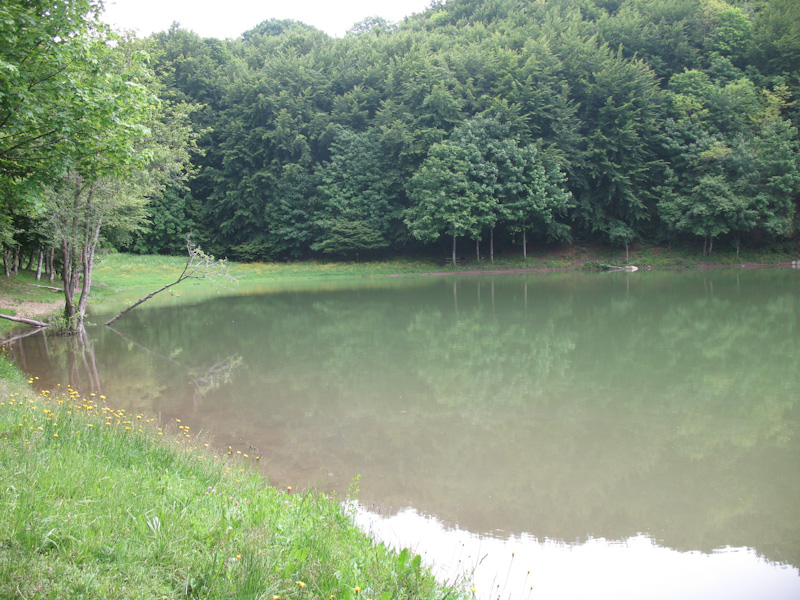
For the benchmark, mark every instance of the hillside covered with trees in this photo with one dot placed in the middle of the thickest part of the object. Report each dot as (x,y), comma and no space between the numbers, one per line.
(501,122)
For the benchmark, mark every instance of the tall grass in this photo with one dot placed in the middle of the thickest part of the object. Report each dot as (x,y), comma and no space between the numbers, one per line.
(97,503)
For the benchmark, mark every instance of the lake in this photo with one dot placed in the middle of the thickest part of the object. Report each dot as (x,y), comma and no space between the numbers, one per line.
(557,436)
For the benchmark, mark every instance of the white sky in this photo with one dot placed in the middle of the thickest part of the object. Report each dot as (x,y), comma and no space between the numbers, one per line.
(230,18)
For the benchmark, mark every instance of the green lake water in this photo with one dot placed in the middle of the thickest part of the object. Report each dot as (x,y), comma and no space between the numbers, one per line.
(566,435)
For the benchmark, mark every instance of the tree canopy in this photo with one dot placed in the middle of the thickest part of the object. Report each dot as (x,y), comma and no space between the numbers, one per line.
(516,122)
(85,140)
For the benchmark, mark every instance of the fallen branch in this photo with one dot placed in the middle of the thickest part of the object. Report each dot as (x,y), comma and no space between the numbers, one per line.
(47,287)
(26,321)
(198,266)
(617,268)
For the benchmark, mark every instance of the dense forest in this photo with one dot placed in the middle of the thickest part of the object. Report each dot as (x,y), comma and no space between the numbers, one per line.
(481,125)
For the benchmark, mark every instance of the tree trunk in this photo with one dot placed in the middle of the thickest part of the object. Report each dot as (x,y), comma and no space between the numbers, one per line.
(524,245)
(16,260)
(51,273)
(39,265)
(88,266)
(710,245)
(70,277)
(491,244)
(141,301)
(454,249)
(7,261)
(78,265)
(705,245)
(198,266)
(478,249)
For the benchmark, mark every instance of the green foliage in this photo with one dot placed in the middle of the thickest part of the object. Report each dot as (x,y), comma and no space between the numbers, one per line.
(446,199)
(47,60)
(168,227)
(354,212)
(734,157)
(312,144)
(85,139)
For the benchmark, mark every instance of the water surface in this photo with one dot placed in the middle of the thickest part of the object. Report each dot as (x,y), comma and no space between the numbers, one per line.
(617,435)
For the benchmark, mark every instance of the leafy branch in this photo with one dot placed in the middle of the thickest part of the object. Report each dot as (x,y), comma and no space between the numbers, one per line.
(199,265)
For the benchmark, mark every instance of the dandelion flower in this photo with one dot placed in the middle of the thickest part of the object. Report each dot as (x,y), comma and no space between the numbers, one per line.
(301,584)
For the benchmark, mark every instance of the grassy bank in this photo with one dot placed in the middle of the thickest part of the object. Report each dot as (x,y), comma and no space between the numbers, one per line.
(97,503)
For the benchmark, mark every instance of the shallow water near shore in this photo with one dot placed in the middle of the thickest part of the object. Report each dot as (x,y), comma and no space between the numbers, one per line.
(566,435)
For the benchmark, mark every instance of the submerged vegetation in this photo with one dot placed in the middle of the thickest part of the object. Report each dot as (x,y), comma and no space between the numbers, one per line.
(100,503)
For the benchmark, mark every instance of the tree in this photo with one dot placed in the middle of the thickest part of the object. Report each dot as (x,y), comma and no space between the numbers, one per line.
(533,196)
(444,199)
(484,142)
(612,91)
(138,147)
(707,211)
(777,38)
(730,139)
(289,217)
(620,233)
(354,212)
(46,63)
(775,186)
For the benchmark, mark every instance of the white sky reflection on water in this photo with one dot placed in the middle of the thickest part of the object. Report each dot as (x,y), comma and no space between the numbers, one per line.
(522,567)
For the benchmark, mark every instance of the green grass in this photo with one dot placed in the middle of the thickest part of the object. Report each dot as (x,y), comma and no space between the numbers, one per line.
(127,271)
(97,503)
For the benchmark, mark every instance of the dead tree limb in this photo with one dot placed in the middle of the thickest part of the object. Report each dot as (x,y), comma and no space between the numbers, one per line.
(199,265)
(26,321)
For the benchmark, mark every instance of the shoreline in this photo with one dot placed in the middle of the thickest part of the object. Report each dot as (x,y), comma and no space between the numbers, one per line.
(522,271)
(25,298)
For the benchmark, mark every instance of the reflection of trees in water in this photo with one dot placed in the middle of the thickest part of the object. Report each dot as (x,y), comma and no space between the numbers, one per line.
(738,351)
(75,356)
(204,379)
(476,362)
(567,407)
